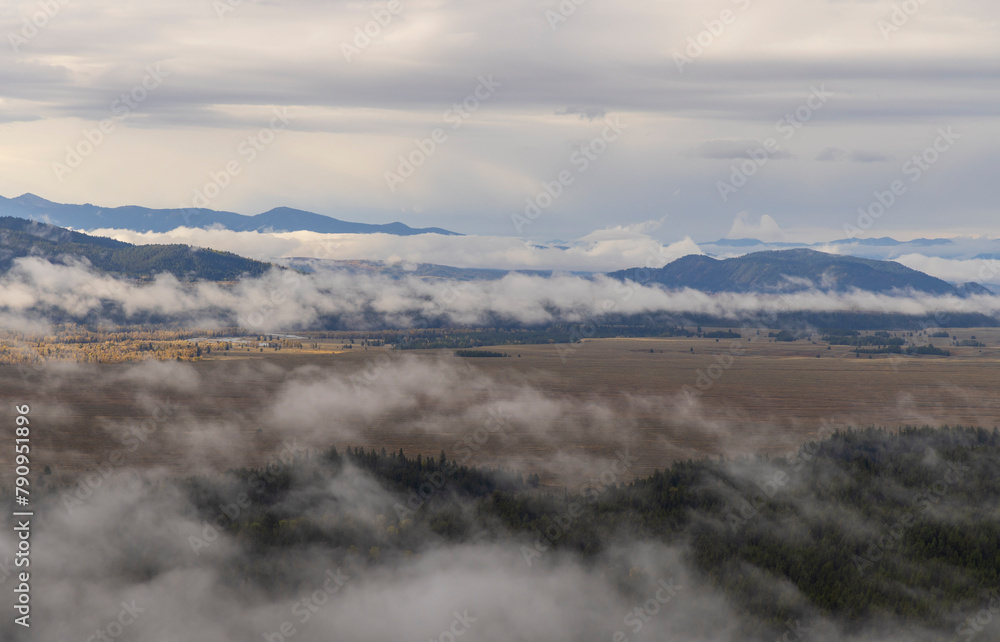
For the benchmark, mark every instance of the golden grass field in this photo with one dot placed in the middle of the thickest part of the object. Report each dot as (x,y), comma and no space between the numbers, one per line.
(764,397)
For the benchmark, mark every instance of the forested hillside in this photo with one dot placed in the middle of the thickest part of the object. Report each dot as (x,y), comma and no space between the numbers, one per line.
(21,238)
(791,270)
(865,527)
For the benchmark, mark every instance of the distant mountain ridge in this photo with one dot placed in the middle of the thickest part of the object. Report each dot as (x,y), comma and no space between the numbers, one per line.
(881,241)
(23,238)
(143,219)
(404,270)
(793,270)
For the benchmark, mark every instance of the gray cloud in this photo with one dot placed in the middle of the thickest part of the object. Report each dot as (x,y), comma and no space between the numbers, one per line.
(860,156)
(35,289)
(832,154)
(130,538)
(227,73)
(720,149)
(857,156)
(588,113)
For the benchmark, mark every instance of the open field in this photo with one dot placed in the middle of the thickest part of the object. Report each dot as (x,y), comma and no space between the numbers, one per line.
(656,399)
(768,381)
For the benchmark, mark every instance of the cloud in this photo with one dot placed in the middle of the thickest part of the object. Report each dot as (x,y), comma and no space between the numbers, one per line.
(984,270)
(36,291)
(226,78)
(130,551)
(600,251)
(588,113)
(719,149)
(857,156)
(767,229)
(131,538)
(832,154)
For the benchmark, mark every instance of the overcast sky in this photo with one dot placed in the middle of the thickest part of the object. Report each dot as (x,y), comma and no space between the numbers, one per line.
(663,121)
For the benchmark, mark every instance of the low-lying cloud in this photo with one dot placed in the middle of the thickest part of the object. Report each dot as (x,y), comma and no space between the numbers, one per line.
(600,251)
(36,291)
(138,554)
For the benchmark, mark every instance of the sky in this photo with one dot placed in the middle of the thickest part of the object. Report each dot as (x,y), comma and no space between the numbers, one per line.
(546,120)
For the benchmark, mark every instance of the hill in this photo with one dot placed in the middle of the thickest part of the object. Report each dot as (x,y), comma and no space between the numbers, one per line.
(20,238)
(791,270)
(809,539)
(144,219)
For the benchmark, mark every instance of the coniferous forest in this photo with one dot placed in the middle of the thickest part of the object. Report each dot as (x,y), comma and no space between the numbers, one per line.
(897,528)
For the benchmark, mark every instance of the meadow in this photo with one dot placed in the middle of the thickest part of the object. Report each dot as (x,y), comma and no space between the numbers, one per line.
(658,399)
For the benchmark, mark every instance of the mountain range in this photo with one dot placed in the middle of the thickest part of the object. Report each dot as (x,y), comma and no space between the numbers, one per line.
(881,241)
(791,270)
(959,248)
(143,219)
(769,271)
(397,270)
